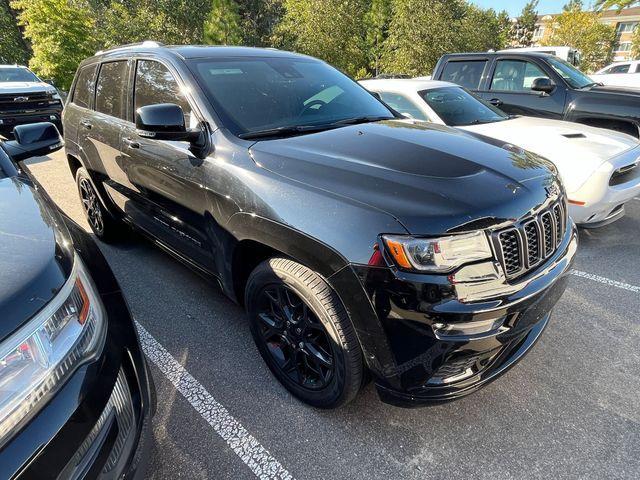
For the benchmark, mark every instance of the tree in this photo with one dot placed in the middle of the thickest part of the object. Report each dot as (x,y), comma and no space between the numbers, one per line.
(377,23)
(620,4)
(523,28)
(572,5)
(13,48)
(333,30)
(583,31)
(504,23)
(258,20)
(223,25)
(421,32)
(61,33)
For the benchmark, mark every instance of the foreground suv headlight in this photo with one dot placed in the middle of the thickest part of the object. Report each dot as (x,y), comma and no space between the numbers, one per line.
(437,254)
(41,356)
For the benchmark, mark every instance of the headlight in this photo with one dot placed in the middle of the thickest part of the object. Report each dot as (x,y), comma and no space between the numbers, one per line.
(41,356)
(438,254)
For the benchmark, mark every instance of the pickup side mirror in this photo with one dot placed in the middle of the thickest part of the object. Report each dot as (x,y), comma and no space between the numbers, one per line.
(33,140)
(50,81)
(163,121)
(542,84)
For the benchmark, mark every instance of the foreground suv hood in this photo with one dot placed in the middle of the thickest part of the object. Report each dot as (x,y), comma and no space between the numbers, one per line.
(432,179)
(35,256)
(576,150)
(25,87)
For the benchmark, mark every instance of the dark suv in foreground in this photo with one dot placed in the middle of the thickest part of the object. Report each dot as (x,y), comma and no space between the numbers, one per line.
(76,397)
(360,243)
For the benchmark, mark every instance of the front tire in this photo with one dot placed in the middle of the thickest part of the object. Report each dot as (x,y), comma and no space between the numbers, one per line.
(102,223)
(304,333)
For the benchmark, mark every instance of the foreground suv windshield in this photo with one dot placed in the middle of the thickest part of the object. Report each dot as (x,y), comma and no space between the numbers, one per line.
(571,75)
(17,75)
(259,93)
(457,107)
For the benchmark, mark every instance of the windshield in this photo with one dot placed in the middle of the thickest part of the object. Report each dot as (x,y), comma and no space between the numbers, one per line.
(458,107)
(253,94)
(17,74)
(574,77)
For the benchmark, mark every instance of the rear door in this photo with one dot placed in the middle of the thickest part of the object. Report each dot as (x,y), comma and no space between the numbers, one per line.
(100,130)
(509,88)
(466,72)
(162,190)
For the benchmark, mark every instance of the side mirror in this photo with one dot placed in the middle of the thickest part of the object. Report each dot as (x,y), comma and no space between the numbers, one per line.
(377,95)
(33,140)
(542,84)
(50,81)
(163,121)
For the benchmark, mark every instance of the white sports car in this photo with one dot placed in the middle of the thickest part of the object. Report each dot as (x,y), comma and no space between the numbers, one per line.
(600,168)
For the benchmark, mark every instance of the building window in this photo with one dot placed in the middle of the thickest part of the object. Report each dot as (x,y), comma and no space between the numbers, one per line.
(626,27)
(623,47)
(538,33)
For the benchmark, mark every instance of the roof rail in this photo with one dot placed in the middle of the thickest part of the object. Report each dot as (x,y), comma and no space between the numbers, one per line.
(146,43)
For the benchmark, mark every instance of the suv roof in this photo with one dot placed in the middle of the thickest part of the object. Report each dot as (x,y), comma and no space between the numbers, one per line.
(192,51)
(500,53)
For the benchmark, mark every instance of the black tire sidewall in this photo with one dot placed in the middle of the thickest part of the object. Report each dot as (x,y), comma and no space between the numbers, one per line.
(337,392)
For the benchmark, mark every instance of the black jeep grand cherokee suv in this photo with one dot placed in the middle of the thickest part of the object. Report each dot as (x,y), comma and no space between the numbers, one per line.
(358,241)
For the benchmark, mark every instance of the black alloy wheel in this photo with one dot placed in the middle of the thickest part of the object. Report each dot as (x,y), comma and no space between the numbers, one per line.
(105,226)
(294,337)
(91,206)
(303,333)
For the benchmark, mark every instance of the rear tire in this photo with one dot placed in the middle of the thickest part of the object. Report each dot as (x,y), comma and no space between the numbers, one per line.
(304,333)
(102,223)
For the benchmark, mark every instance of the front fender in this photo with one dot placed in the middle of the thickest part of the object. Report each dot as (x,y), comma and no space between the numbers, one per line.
(585,106)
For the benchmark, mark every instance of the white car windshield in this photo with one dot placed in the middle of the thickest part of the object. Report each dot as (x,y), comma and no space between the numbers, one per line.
(17,74)
(458,107)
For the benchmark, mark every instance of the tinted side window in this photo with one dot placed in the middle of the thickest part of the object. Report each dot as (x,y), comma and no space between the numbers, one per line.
(110,89)
(515,75)
(402,104)
(155,84)
(619,69)
(85,84)
(466,73)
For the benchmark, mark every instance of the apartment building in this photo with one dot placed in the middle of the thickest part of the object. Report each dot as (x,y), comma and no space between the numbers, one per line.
(624,22)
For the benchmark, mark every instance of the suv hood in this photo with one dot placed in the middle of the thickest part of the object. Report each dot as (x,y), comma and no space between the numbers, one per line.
(614,89)
(25,87)
(432,179)
(576,150)
(35,255)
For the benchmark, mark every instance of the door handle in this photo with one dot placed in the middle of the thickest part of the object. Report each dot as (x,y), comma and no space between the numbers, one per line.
(495,102)
(86,124)
(131,143)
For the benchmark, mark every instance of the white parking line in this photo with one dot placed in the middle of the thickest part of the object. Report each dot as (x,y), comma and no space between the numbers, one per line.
(250,451)
(606,281)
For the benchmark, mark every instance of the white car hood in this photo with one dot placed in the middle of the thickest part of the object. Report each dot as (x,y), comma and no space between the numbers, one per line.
(576,150)
(24,87)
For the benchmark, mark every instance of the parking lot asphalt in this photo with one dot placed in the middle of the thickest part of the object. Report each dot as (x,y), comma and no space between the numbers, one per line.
(570,409)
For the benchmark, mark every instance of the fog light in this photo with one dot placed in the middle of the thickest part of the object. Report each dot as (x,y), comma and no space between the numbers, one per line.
(449,331)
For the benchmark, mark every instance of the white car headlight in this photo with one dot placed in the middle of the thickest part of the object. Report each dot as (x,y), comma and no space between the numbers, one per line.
(45,352)
(438,254)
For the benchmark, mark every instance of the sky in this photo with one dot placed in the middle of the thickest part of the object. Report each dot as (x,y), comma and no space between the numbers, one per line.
(514,7)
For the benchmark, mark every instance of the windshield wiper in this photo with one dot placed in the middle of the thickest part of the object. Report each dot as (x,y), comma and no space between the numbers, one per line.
(365,119)
(284,131)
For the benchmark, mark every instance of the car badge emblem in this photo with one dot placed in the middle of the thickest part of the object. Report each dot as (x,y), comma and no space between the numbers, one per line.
(552,191)
(21,99)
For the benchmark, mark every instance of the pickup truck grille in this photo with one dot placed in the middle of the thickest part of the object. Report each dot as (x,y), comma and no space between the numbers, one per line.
(527,244)
(26,102)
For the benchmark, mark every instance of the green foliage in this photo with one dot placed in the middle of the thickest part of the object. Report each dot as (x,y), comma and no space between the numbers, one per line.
(258,20)
(223,25)
(61,35)
(620,4)
(333,30)
(420,32)
(13,48)
(583,31)
(522,32)
(377,23)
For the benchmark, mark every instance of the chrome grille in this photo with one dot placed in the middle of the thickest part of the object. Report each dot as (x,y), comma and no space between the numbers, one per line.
(525,245)
(30,101)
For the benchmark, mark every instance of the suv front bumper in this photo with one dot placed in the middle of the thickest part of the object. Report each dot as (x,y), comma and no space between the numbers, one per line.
(400,320)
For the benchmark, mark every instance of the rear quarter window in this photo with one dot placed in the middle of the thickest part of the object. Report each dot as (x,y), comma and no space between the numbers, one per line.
(466,73)
(83,91)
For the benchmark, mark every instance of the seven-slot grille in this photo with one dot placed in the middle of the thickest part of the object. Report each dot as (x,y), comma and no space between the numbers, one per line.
(523,246)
